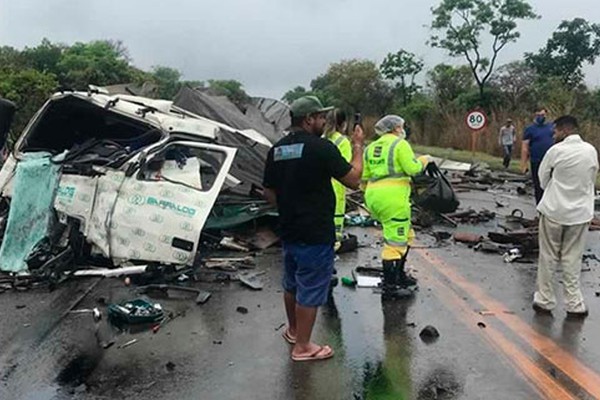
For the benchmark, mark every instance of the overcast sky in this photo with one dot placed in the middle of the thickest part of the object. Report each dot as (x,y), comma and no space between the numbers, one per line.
(269,45)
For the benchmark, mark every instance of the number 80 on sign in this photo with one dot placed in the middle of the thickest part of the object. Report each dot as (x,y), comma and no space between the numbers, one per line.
(476,120)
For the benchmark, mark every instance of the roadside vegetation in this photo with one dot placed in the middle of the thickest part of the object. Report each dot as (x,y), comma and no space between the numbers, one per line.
(432,98)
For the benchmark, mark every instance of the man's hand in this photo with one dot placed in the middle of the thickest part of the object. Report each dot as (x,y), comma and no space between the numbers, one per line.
(358,136)
(524,168)
(353,178)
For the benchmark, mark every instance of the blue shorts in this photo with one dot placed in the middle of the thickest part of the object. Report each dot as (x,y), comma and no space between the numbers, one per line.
(307,272)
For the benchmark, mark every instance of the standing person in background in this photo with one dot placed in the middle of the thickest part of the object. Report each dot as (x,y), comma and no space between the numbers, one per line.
(537,139)
(568,176)
(334,132)
(388,167)
(507,140)
(297,179)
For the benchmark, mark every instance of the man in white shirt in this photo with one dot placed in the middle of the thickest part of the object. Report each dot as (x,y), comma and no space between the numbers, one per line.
(568,175)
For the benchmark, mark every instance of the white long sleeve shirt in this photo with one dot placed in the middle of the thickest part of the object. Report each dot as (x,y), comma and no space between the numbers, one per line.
(568,176)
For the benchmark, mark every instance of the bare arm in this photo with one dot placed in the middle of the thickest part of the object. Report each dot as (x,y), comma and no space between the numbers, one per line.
(270,196)
(524,155)
(353,178)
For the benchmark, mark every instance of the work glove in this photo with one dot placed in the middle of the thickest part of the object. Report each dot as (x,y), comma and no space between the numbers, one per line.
(425,160)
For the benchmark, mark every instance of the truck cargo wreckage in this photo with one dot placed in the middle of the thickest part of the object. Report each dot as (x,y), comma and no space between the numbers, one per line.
(122,178)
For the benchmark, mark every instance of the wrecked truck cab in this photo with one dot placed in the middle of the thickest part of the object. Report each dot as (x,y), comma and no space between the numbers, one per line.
(138,178)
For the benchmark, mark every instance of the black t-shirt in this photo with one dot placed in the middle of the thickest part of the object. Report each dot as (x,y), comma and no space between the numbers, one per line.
(299,169)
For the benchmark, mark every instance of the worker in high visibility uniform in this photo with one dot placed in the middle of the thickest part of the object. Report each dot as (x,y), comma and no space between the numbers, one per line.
(336,124)
(389,164)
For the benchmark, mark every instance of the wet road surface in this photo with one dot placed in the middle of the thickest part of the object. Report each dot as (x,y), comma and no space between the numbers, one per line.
(491,344)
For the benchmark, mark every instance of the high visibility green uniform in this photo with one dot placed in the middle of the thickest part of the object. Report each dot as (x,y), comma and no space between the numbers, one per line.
(343,144)
(389,162)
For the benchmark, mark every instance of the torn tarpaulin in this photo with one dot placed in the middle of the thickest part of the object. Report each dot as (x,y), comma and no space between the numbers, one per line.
(31,213)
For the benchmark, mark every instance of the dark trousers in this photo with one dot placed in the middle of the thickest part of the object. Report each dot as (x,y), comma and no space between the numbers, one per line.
(507,154)
(535,167)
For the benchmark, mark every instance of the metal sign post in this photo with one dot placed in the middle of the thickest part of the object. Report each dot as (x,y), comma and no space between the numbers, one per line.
(476,120)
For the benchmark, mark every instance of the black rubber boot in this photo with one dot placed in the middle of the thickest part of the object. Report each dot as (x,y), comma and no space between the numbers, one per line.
(403,279)
(389,273)
(390,283)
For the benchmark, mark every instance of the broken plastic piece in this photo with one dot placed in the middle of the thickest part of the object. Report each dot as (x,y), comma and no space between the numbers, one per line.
(108,273)
(466,237)
(252,280)
(512,255)
(230,243)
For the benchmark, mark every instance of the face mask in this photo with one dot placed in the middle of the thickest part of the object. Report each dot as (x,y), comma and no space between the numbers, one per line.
(406,133)
(540,119)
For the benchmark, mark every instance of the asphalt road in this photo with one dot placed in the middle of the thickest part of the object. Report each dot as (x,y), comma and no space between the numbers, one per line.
(491,344)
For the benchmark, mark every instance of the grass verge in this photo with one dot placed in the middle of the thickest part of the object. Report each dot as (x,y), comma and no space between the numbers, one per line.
(465,156)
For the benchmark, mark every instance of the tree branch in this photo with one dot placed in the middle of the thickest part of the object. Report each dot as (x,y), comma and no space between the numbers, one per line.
(474,65)
(494,57)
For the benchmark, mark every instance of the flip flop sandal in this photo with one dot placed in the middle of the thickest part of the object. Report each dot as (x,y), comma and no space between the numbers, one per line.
(288,338)
(316,355)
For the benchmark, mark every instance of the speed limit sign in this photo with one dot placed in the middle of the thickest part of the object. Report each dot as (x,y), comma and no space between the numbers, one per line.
(476,120)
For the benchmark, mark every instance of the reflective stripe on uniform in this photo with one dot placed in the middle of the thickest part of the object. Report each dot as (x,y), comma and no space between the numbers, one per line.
(394,243)
(391,168)
(339,141)
(392,176)
(389,182)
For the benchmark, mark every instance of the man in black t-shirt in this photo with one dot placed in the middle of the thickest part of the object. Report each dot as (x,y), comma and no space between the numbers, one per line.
(297,178)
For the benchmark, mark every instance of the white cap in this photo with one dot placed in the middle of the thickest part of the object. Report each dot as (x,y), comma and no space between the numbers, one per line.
(388,124)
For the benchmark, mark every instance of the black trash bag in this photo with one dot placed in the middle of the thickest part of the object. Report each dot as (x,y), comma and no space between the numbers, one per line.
(349,244)
(433,191)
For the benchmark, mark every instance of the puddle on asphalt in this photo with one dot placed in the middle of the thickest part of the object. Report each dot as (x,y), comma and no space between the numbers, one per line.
(48,393)
(382,382)
(441,384)
(78,370)
(379,346)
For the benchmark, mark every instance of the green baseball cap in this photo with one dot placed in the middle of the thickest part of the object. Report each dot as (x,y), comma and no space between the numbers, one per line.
(307,105)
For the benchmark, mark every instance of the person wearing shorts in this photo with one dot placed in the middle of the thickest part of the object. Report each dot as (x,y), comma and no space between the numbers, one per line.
(297,179)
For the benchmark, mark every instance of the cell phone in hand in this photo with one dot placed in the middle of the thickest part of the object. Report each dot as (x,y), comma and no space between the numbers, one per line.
(357,119)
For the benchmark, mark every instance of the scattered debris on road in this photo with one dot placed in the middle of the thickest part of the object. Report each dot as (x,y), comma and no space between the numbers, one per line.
(429,334)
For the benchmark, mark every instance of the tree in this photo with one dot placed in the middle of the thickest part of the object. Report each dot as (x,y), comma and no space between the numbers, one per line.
(232,89)
(574,43)
(28,89)
(44,57)
(403,67)
(515,80)
(99,63)
(354,85)
(10,58)
(462,22)
(295,93)
(448,82)
(556,96)
(167,80)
